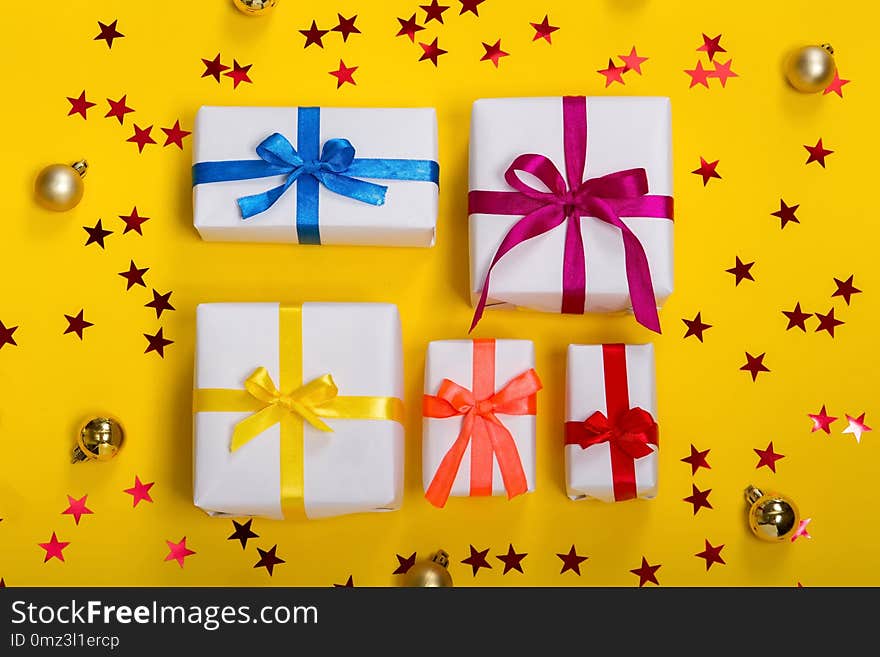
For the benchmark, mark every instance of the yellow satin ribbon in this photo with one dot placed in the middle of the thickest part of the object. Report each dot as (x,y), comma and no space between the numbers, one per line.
(316,399)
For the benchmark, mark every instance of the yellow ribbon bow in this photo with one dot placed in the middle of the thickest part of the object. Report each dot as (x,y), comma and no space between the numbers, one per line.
(308,402)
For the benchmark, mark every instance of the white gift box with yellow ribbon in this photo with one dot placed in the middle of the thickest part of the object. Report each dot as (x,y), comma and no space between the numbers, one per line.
(318,429)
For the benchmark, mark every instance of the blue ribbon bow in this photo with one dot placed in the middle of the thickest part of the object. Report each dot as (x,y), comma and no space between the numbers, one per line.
(337,169)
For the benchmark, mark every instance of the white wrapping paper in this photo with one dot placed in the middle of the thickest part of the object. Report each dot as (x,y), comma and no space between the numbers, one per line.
(588,471)
(358,467)
(622,133)
(453,360)
(408,217)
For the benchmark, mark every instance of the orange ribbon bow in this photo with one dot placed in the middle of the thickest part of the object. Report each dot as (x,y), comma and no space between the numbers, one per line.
(486,434)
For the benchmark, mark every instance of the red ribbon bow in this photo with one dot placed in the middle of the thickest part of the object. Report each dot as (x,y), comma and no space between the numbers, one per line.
(486,434)
(631,434)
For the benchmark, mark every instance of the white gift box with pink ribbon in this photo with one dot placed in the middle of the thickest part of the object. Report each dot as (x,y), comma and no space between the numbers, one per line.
(579,190)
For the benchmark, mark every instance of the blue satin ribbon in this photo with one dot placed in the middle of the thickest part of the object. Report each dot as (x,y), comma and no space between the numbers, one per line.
(335,167)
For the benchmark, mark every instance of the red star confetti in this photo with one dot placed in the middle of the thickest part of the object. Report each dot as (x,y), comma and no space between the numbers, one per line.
(175,135)
(818,153)
(404,564)
(314,35)
(160,303)
(409,27)
(786,213)
(711,553)
(697,460)
(108,33)
(2,583)
(140,492)
(54,548)
(141,137)
(836,85)
(79,105)
(856,426)
(133,221)
(742,271)
(544,30)
(268,559)
(6,335)
(845,289)
(827,322)
(344,74)
(96,234)
(722,72)
(76,324)
(238,74)
(346,26)
(646,573)
(512,560)
(434,11)
(471,6)
(134,276)
(754,365)
(801,531)
(707,170)
(821,421)
(157,343)
(699,498)
(77,508)
(242,533)
(431,51)
(767,457)
(612,73)
(178,551)
(493,53)
(632,61)
(349,584)
(797,318)
(118,109)
(695,327)
(213,67)
(477,559)
(571,561)
(699,75)
(711,46)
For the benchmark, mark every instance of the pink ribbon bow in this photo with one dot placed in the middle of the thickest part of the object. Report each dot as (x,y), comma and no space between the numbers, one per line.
(606,198)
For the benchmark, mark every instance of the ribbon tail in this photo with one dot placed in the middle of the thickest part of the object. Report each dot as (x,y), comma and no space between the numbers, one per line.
(253,425)
(641,288)
(441,485)
(256,203)
(533,224)
(509,461)
(359,190)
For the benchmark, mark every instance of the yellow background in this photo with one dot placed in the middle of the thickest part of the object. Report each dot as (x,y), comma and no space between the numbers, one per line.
(756,126)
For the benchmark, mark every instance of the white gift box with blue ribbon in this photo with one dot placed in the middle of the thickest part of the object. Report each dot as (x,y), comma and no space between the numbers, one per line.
(309,175)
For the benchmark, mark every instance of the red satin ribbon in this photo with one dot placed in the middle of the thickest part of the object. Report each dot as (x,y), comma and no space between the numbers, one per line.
(628,431)
(607,198)
(481,428)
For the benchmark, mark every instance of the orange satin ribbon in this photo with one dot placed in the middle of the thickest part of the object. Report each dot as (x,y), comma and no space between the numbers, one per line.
(481,428)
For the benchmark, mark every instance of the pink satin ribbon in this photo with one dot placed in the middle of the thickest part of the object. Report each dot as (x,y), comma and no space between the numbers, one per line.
(622,193)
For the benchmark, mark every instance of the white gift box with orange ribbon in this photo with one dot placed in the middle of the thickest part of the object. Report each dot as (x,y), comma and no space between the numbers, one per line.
(479,407)
(356,466)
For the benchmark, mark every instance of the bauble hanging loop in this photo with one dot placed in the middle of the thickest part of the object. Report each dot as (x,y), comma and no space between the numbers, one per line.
(432,573)
(772,517)
(811,69)
(59,187)
(99,439)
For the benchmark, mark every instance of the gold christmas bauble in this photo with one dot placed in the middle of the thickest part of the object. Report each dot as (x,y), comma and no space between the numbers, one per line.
(433,573)
(772,516)
(99,439)
(255,7)
(811,69)
(59,187)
